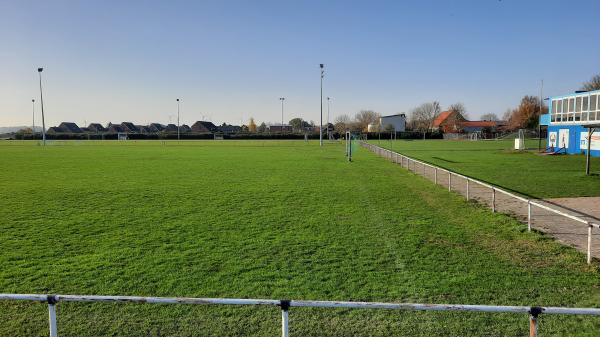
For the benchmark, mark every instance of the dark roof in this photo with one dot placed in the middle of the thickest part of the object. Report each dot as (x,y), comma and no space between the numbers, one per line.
(96,127)
(230,128)
(203,126)
(54,129)
(185,128)
(129,127)
(69,127)
(156,127)
(171,128)
(116,128)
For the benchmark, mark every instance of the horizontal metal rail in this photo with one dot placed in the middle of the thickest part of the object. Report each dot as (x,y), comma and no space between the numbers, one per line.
(530,202)
(532,311)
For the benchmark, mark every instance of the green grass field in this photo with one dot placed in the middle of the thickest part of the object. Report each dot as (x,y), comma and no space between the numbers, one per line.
(265,219)
(496,162)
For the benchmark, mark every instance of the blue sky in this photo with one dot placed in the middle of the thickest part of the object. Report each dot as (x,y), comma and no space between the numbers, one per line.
(230,60)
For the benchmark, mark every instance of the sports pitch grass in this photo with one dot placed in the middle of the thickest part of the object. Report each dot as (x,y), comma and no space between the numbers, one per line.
(251,219)
(496,162)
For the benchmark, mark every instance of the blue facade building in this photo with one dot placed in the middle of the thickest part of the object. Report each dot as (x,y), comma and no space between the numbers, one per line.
(570,119)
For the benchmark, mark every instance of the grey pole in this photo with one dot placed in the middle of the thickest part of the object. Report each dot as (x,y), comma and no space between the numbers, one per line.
(178,119)
(589,147)
(328,108)
(42,103)
(282,99)
(321,120)
(32,119)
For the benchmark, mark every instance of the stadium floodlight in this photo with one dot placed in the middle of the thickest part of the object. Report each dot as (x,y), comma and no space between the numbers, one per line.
(178,119)
(42,104)
(32,119)
(321,120)
(282,99)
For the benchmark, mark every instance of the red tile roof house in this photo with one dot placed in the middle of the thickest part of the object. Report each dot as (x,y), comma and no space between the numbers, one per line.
(453,122)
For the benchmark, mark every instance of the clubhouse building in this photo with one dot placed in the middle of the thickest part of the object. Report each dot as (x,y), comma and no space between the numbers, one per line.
(570,120)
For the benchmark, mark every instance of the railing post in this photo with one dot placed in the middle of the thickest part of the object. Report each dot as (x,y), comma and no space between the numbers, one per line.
(493,200)
(285,328)
(449,181)
(468,189)
(533,323)
(435,176)
(423,169)
(529,215)
(52,316)
(589,244)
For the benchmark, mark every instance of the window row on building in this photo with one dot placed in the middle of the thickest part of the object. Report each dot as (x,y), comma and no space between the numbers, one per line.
(583,107)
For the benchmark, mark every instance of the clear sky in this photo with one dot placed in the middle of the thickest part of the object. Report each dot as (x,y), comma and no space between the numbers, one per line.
(230,60)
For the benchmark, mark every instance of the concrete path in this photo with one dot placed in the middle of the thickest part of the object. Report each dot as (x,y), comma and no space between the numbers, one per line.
(563,229)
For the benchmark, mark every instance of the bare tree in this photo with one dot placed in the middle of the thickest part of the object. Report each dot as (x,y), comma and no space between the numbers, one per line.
(489,117)
(592,84)
(342,122)
(506,115)
(366,117)
(459,108)
(422,117)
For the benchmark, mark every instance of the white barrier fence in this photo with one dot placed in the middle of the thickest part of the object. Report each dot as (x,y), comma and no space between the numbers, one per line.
(285,305)
(406,161)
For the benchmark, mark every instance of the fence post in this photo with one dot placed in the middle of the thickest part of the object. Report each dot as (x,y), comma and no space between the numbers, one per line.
(449,181)
(529,215)
(423,169)
(52,316)
(589,244)
(468,189)
(533,323)
(285,328)
(435,176)
(493,200)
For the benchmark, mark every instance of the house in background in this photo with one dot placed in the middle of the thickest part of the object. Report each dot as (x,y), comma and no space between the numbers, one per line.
(395,122)
(204,127)
(448,122)
(129,127)
(69,127)
(156,127)
(280,128)
(96,127)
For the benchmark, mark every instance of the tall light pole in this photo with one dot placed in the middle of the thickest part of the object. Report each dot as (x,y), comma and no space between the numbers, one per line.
(32,119)
(178,119)
(321,120)
(42,103)
(282,99)
(328,108)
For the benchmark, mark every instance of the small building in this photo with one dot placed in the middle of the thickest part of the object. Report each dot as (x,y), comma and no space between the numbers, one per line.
(171,128)
(54,130)
(69,127)
(570,119)
(280,128)
(395,122)
(184,128)
(448,122)
(96,128)
(156,127)
(129,127)
(228,128)
(204,127)
(116,128)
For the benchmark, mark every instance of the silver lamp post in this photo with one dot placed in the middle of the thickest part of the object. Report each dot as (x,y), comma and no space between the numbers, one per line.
(321,120)
(42,104)
(178,119)
(32,119)
(328,108)
(282,99)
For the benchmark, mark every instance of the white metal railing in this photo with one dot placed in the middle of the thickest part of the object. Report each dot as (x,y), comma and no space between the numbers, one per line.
(398,157)
(285,305)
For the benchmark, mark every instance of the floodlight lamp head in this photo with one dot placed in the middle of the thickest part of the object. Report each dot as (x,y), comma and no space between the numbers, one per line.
(32,100)
(178,100)
(40,70)
(321,65)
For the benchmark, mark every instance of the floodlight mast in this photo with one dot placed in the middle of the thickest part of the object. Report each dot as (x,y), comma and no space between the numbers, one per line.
(178,119)
(42,104)
(328,108)
(282,99)
(32,119)
(321,120)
